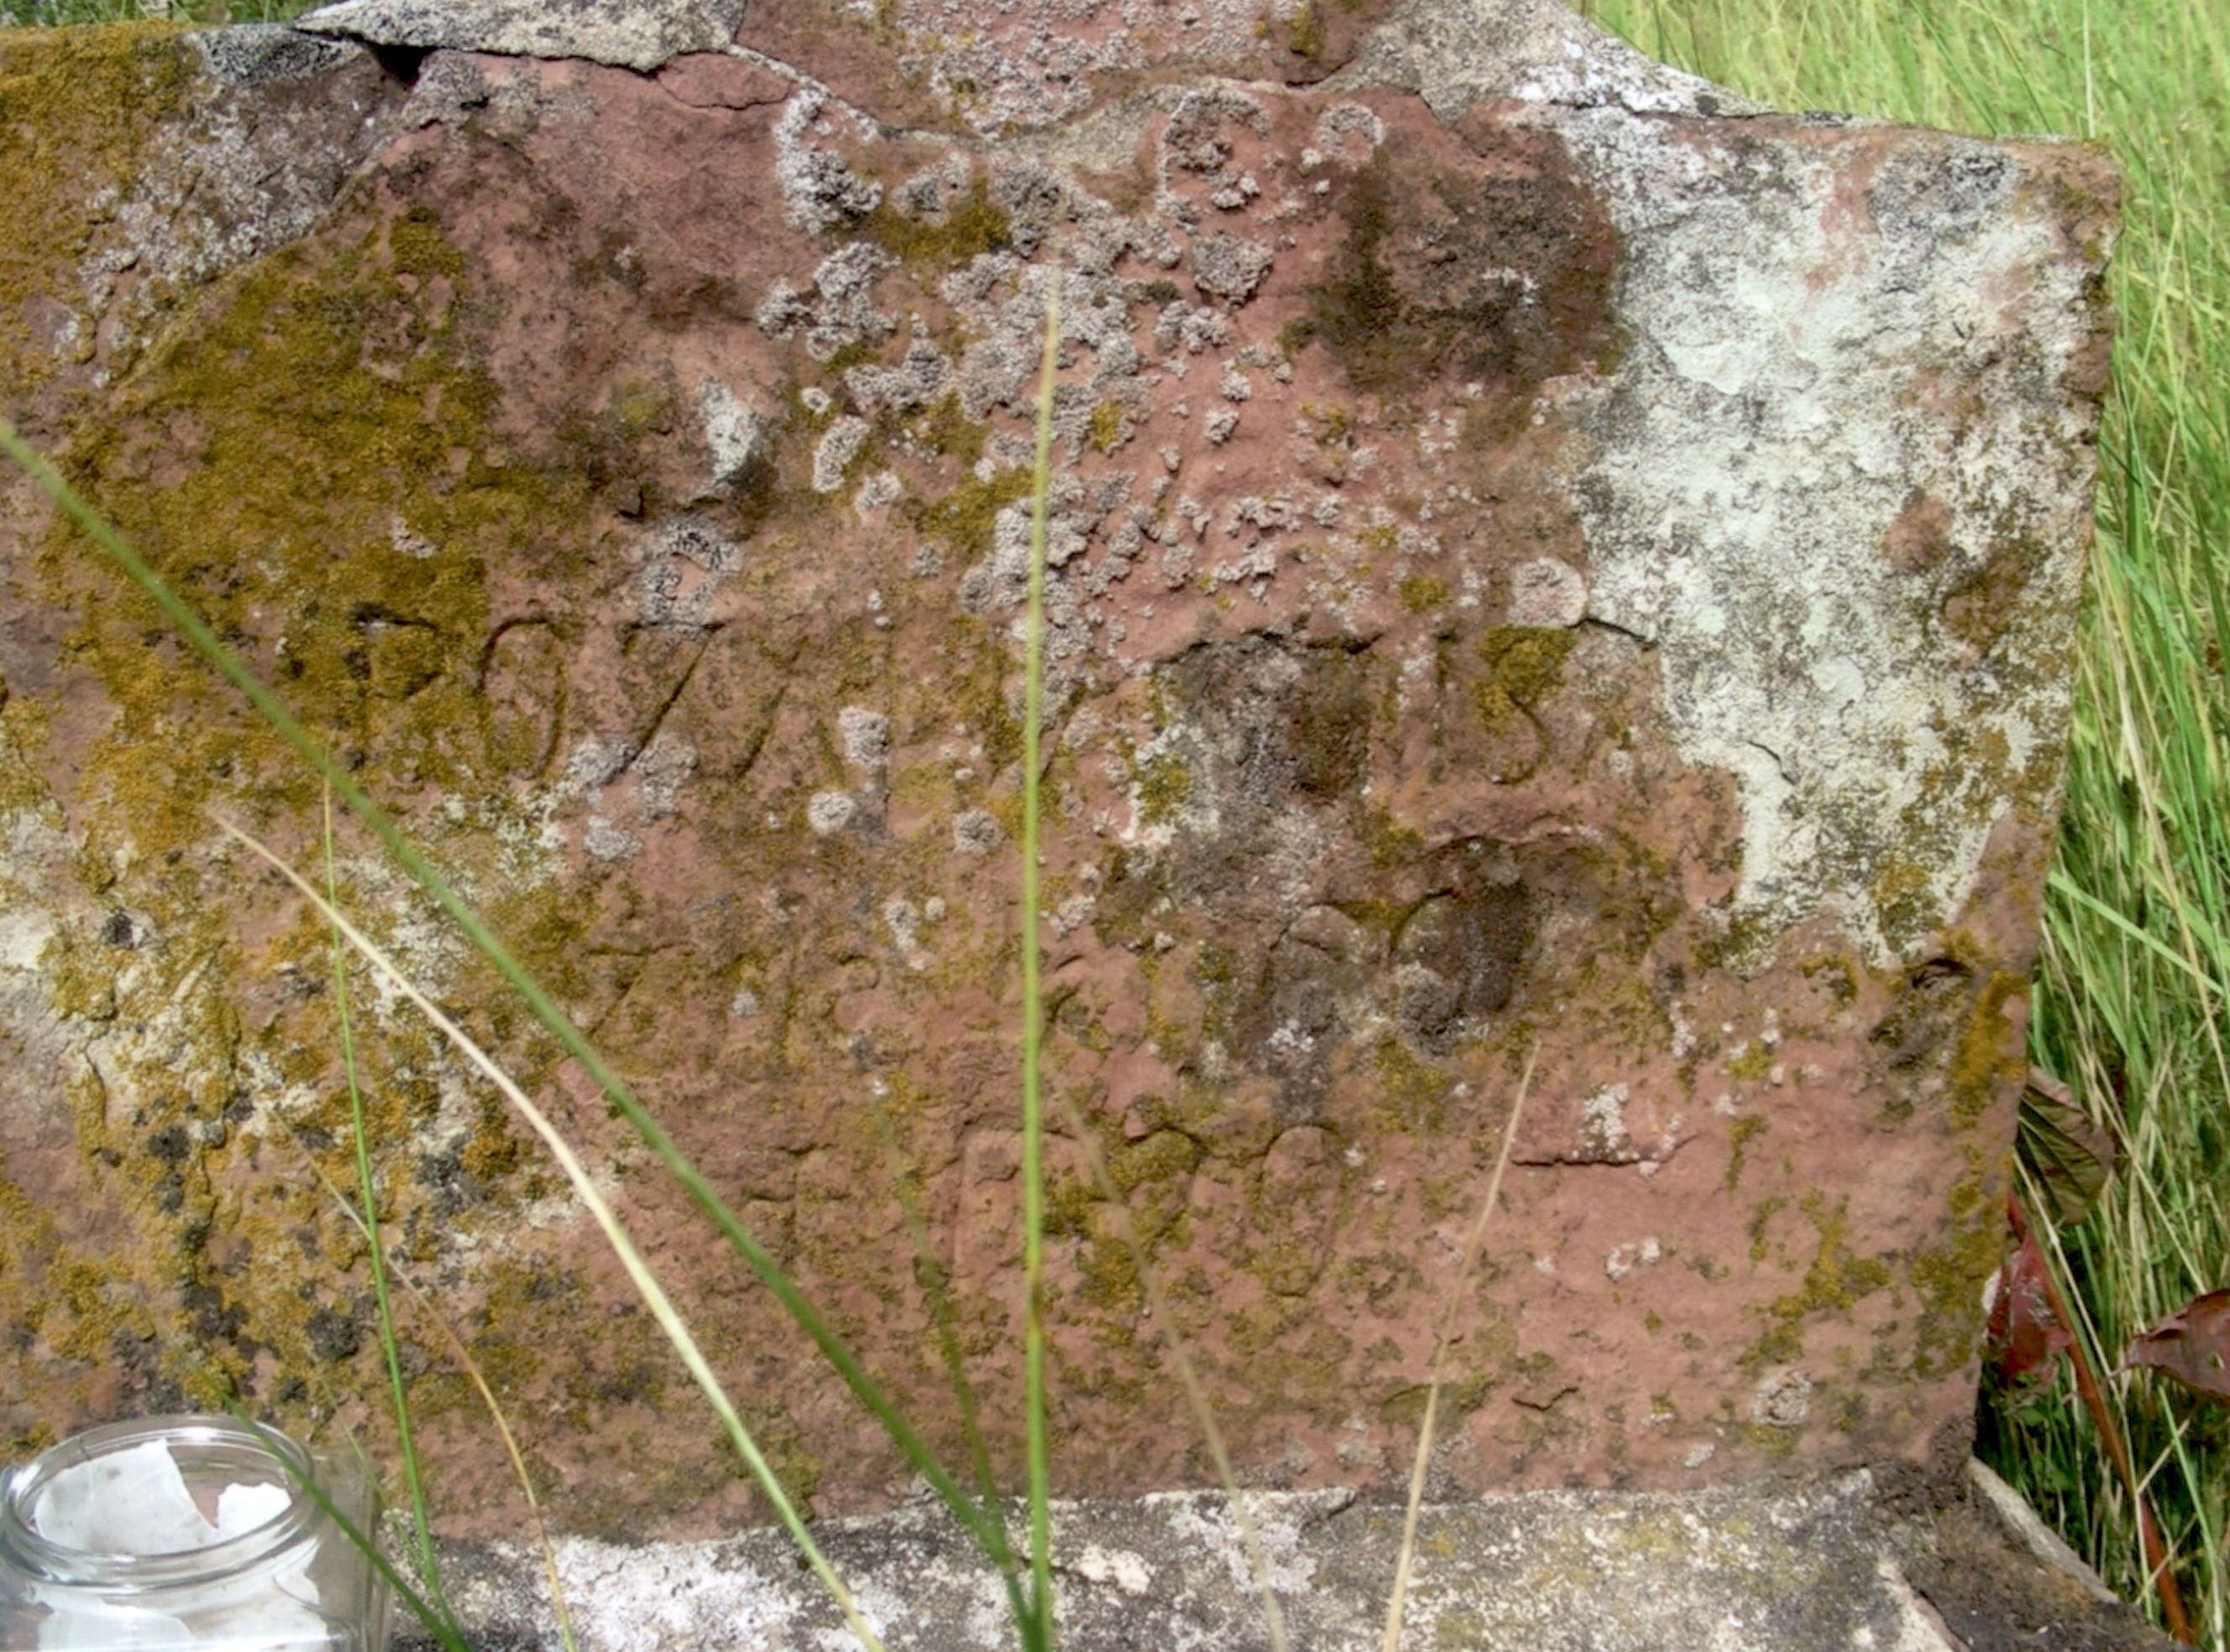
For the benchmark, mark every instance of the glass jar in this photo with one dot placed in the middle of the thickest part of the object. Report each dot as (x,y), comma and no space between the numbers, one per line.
(185,1532)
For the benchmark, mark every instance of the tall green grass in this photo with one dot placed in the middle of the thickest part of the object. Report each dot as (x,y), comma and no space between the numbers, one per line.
(2130,994)
(59,14)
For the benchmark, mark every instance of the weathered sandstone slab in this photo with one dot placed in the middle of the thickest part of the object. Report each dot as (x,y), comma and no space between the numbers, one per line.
(1842,1563)
(1547,563)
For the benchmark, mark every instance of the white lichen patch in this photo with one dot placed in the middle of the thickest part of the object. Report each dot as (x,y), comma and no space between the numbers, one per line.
(878,492)
(820,190)
(1546,592)
(1350,132)
(838,310)
(840,444)
(664,767)
(1622,1259)
(865,736)
(976,831)
(731,431)
(1603,1133)
(1783,1398)
(829,812)
(627,34)
(1119,1568)
(1777,407)
(603,840)
(24,932)
(1208,1521)
(680,566)
(1456,56)
(416,546)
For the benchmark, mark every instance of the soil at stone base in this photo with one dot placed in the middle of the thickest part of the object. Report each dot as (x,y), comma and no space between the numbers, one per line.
(1985,1586)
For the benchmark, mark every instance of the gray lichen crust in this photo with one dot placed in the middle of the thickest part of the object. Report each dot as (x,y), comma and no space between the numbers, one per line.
(1861,586)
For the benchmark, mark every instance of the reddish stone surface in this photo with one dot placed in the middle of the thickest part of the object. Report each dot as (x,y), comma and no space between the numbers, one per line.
(628,473)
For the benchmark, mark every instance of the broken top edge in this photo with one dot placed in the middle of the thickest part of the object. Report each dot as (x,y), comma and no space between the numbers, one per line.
(1453,54)
(640,35)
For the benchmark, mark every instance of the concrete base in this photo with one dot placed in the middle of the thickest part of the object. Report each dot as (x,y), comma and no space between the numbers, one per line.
(1831,1565)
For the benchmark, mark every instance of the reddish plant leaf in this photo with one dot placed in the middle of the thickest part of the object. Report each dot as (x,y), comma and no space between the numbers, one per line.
(2025,1337)
(2191,1345)
(2069,1154)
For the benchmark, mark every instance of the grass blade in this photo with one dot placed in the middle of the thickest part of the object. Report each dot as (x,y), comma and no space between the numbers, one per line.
(1466,1266)
(437,1623)
(1034,1336)
(937,1287)
(1188,1374)
(422,1525)
(475,1375)
(646,1283)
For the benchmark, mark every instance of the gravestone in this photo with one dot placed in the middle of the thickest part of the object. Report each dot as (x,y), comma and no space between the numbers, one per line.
(1552,568)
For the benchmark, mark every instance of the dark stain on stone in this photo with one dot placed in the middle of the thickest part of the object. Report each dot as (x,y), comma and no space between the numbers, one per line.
(1925,195)
(1457,959)
(1300,1012)
(401,64)
(1451,961)
(1920,537)
(333,1334)
(1985,601)
(451,1188)
(1500,275)
(1283,725)
(1923,1022)
(136,1358)
(215,1320)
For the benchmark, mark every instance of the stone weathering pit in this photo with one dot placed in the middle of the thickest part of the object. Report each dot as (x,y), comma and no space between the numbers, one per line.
(1544,558)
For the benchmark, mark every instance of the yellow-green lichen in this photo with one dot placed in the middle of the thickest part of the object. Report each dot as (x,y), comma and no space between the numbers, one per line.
(1750,1062)
(1390,842)
(1412,1095)
(971,227)
(1835,1282)
(1110,427)
(945,430)
(1525,663)
(964,517)
(79,110)
(1766,1211)
(1423,593)
(1948,1278)
(1740,1134)
(1164,787)
(1989,1061)
(1404,1408)
(328,408)
(1839,973)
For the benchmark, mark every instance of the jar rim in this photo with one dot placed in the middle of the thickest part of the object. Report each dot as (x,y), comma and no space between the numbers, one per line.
(60,1563)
